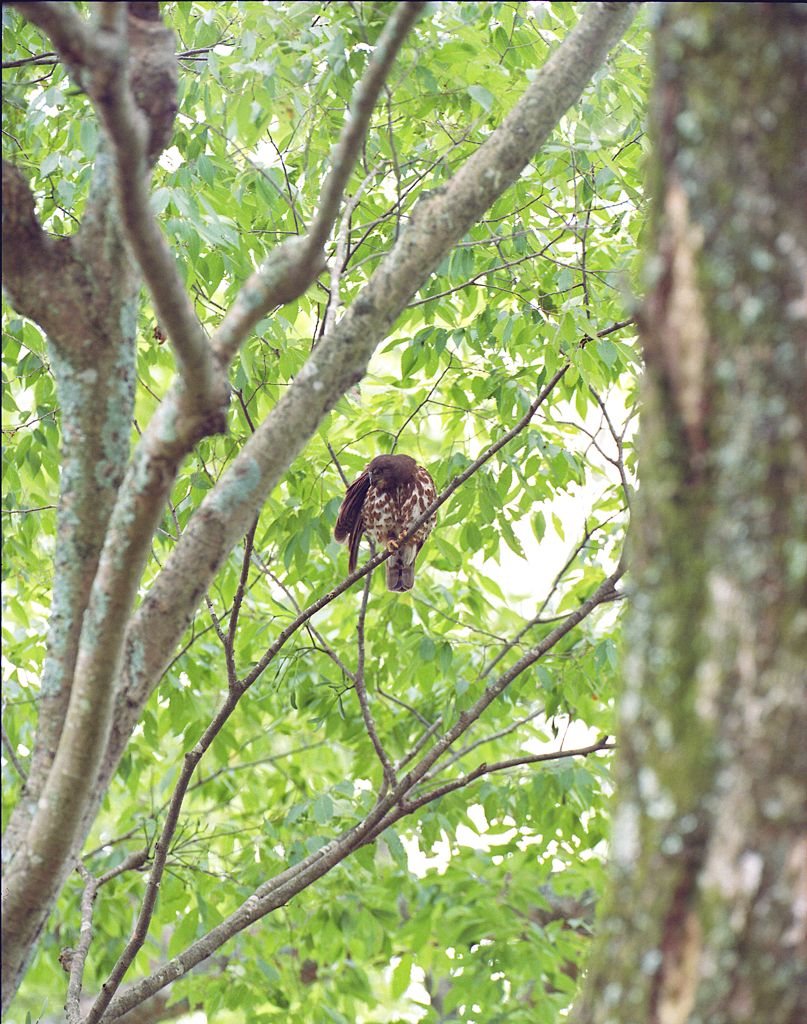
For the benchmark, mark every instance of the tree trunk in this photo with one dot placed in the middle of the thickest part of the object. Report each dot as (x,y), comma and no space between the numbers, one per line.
(707,913)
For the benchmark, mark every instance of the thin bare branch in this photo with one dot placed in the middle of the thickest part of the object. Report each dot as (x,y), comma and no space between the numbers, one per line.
(486,769)
(78,957)
(465,750)
(422,403)
(536,620)
(481,278)
(12,753)
(410,755)
(319,640)
(619,441)
(150,896)
(402,704)
(131,862)
(249,544)
(338,465)
(341,244)
(48,57)
(361,693)
(216,622)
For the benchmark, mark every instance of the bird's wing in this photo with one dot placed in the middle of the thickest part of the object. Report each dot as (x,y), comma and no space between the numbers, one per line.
(350,510)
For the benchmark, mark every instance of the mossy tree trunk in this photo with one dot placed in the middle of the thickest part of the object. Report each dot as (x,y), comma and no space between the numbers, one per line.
(707,913)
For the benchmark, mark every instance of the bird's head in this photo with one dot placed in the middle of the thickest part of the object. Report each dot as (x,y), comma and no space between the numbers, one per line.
(388,471)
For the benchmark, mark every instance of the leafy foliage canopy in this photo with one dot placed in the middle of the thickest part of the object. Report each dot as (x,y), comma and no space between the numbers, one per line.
(538,283)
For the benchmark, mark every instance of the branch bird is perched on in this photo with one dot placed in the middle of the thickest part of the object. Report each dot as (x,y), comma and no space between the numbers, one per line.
(383,502)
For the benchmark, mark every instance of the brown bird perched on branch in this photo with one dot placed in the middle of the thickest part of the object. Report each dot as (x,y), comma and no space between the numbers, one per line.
(383,502)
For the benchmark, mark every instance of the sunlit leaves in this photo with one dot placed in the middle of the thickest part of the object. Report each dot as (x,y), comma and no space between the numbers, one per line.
(264,93)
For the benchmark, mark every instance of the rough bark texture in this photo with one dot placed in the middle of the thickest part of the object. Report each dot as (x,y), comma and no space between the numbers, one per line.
(707,915)
(84,291)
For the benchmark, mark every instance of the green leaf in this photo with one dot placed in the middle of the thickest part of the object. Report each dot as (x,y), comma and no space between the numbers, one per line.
(323,809)
(426,649)
(607,351)
(396,848)
(402,975)
(483,96)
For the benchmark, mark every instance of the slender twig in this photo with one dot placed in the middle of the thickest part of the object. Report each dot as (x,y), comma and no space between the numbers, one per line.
(48,57)
(361,693)
(216,622)
(12,753)
(469,747)
(79,955)
(316,636)
(471,627)
(249,544)
(486,769)
(274,760)
(481,277)
(150,896)
(338,465)
(260,170)
(422,403)
(536,620)
(619,462)
(186,647)
(420,743)
(338,264)
(402,704)
(22,511)
(175,517)
(413,186)
(130,863)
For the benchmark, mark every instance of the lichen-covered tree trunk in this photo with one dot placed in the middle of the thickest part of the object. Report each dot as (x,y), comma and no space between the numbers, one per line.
(83,290)
(709,853)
